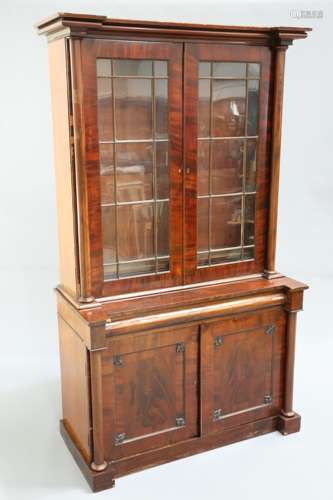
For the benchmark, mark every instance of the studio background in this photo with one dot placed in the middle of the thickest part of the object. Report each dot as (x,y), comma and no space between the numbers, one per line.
(34,462)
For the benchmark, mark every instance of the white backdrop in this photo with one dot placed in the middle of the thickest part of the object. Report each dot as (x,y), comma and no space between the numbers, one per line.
(34,463)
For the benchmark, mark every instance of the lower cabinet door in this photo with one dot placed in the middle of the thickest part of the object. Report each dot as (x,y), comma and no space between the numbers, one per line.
(241,369)
(150,390)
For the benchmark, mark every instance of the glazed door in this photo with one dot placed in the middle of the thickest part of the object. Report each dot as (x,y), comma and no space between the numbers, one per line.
(227,174)
(131,164)
(242,367)
(150,383)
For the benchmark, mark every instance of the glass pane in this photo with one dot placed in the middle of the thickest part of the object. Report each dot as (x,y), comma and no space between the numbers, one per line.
(203,259)
(226,222)
(253,104)
(162,170)
(128,67)
(229,69)
(204,108)
(249,220)
(204,69)
(135,268)
(110,272)
(203,208)
(251,164)
(222,256)
(227,166)
(162,224)
(163,265)
(228,108)
(133,113)
(104,67)
(134,166)
(136,231)
(107,172)
(253,70)
(109,234)
(248,253)
(161,109)
(134,171)
(160,68)
(104,109)
(203,167)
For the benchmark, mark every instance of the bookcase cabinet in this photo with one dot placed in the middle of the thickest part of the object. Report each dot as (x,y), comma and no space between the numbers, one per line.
(177,333)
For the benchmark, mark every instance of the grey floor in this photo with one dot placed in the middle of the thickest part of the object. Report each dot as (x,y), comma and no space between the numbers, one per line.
(34,463)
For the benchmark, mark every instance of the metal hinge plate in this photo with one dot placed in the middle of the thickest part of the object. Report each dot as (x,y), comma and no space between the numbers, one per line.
(217,415)
(119,438)
(117,360)
(218,341)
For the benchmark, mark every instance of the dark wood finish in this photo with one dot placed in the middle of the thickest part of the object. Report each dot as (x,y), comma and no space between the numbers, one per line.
(161,366)
(150,389)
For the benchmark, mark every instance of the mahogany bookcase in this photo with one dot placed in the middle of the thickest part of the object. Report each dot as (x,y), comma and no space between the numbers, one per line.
(177,334)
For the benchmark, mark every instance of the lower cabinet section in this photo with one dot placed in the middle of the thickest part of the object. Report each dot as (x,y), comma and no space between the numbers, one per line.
(165,386)
(150,390)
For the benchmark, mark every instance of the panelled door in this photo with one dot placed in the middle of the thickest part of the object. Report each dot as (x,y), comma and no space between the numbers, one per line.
(242,367)
(130,165)
(226,93)
(150,386)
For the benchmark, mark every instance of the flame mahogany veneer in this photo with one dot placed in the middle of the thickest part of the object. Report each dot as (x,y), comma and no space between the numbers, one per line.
(162,366)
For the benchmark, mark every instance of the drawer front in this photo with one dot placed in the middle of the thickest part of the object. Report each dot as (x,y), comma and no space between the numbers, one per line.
(241,368)
(150,390)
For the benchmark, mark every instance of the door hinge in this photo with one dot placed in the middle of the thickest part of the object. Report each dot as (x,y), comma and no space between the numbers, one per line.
(218,341)
(217,415)
(117,360)
(119,438)
(180,421)
(268,399)
(180,347)
(270,330)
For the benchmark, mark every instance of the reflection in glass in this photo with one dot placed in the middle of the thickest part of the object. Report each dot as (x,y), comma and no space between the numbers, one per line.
(253,103)
(133,127)
(135,231)
(161,108)
(203,167)
(227,166)
(162,170)
(162,214)
(104,68)
(249,219)
(229,69)
(203,226)
(132,67)
(228,102)
(161,68)
(251,164)
(204,69)
(228,116)
(134,268)
(226,221)
(133,108)
(104,111)
(107,172)
(134,171)
(109,226)
(221,256)
(253,70)
(204,108)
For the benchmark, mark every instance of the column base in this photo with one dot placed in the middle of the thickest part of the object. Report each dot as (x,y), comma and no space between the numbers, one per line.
(289,424)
